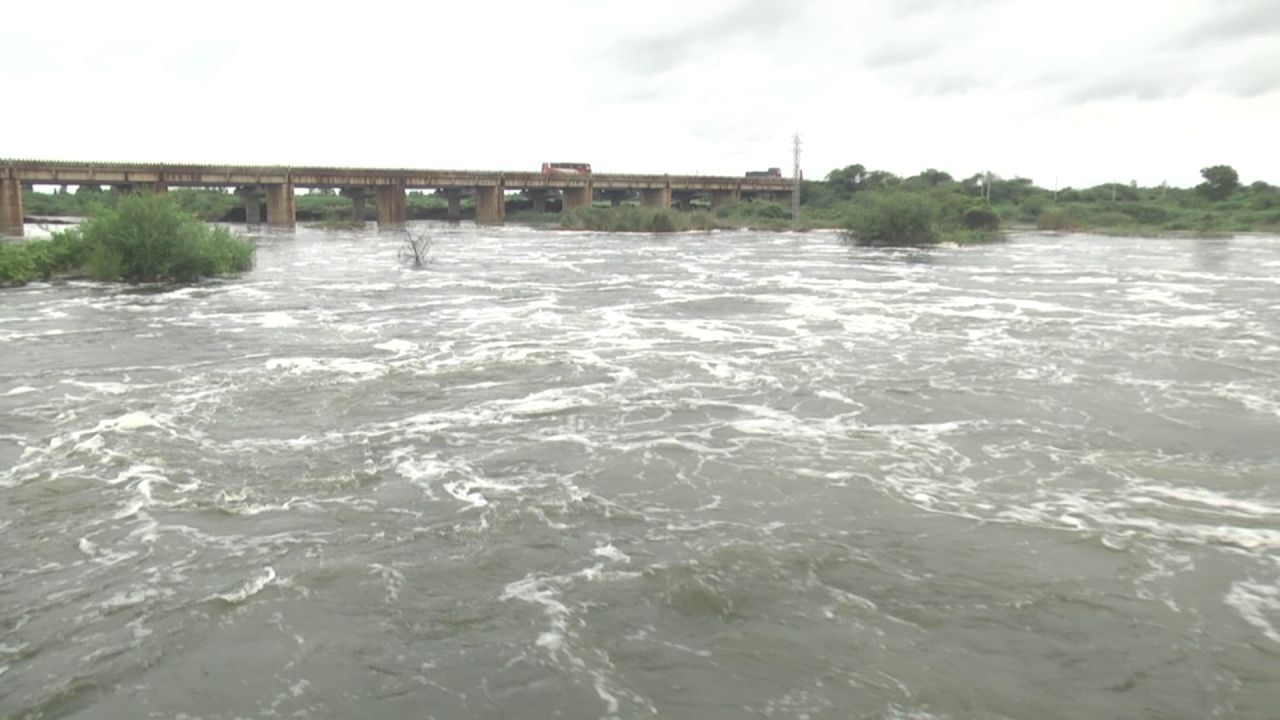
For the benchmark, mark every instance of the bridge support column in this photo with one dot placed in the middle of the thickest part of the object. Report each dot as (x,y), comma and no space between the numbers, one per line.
(656,197)
(539,198)
(358,196)
(491,205)
(282,212)
(10,207)
(252,196)
(683,201)
(393,210)
(455,204)
(724,197)
(159,187)
(576,197)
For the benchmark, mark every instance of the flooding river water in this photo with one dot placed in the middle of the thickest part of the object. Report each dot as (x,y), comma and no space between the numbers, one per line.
(715,475)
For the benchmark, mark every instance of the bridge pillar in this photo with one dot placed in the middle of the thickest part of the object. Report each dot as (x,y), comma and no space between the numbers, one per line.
(252,196)
(393,212)
(358,196)
(10,207)
(282,212)
(539,198)
(455,204)
(656,197)
(576,197)
(491,205)
(683,201)
(724,197)
(159,187)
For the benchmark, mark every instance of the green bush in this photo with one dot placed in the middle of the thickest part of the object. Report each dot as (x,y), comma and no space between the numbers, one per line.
(893,218)
(143,238)
(16,265)
(147,237)
(980,217)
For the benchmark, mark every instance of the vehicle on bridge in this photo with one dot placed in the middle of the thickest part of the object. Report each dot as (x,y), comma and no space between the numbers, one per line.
(566,168)
(771,172)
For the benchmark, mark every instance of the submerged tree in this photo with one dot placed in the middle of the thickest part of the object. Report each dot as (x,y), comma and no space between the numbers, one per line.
(417,247)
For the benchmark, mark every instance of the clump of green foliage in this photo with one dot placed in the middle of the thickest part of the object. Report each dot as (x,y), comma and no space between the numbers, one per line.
(980,217)
(893,218)
(144,238)
(757,214)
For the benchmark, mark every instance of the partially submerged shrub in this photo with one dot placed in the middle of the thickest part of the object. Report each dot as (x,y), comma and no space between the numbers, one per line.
(148,237)
(143,238)
(893,218)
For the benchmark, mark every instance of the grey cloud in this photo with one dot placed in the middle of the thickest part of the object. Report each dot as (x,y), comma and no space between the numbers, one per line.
(1234,20)
(1156,86)
(748,18)
(1261,76)
(896,54)
(907,8)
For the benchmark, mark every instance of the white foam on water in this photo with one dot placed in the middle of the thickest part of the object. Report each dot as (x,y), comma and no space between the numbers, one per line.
(547,402)
(135,421)
(1213,500)
(251,587)
(337,366)
(399,347)
(277,320)
(20,390)
(539,590)
(1258,604)
(612,553)
(107,388)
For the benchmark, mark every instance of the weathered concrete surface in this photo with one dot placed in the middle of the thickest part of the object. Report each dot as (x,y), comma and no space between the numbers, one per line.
(10,207)
(358,196)
(576,197)
(656,197)
(455,204)
(491,205)
(282,213)
(97,173)
(393,210)
(539,198)
(252,196)
(724,197)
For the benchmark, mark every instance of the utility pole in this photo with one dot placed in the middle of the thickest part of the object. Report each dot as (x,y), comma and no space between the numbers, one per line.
(795,174)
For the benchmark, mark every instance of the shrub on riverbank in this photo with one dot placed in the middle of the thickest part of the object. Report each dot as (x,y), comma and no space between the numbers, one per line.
(144,238)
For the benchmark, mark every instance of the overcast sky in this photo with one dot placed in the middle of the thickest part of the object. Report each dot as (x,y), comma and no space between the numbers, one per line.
(1069,93)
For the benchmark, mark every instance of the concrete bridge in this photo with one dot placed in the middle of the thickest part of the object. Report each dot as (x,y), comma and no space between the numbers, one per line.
(386,187)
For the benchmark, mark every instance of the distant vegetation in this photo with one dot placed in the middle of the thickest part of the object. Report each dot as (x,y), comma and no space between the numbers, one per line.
(873,205)
(135,238)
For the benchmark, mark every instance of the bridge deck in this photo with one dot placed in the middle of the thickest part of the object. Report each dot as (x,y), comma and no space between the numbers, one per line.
(77,173)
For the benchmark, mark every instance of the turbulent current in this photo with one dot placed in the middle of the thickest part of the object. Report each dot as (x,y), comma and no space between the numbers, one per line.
(726,475)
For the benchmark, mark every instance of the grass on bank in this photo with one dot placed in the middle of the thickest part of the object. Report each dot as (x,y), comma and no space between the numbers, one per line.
(141,238)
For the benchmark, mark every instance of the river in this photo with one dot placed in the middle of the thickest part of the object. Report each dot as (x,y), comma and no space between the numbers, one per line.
(725,475)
